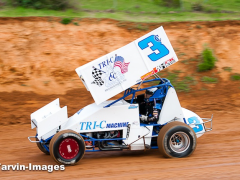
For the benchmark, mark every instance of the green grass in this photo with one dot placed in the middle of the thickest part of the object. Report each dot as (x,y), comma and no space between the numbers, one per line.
(181,54)
(198,26)
(207,79)
(134,10)
(235,77)
(66,20)
(141,27)
(186,61)
(190,79)
(151,6)
(194,59)
(177,71)
(23,12)
(125,5)
(208,60)
(229,69)
(181,85)
(230,5)
(76,23)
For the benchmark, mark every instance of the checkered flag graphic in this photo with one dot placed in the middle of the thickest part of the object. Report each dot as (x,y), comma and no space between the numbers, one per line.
(97,75)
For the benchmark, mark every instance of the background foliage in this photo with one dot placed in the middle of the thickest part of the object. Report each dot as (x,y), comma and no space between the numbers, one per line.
(208,60)
(43,4)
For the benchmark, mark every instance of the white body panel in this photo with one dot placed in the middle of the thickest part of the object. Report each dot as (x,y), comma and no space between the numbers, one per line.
(171,109)
(95,118)
(48,118)
(191,119)
(136,133)
(44,112)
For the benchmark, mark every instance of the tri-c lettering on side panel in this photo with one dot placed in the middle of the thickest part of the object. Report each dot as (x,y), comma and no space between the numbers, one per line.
(92,125)
(102,125)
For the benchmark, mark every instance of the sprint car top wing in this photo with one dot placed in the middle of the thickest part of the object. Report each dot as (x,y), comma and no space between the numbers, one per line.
(115,72)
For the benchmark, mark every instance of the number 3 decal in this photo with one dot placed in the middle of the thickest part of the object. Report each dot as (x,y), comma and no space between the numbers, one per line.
(195,120)
(155,44)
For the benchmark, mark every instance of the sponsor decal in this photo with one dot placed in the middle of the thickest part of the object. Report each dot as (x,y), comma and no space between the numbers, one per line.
(159,68)
(149,74)
(119,62)
(106,63)
(102,125)
(135,123)
(71,134)
(97,75)
(128,130)
(117,125)
(159,50)
(155,113)
(79,111)
(132,107)
(65,162)
(110,72)
(166,64)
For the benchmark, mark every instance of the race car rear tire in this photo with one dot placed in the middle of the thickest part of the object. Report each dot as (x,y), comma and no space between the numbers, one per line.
(67,147)
(176,140)
(40,146)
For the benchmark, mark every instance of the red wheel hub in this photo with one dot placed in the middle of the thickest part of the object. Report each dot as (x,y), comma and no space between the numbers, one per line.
(68,148)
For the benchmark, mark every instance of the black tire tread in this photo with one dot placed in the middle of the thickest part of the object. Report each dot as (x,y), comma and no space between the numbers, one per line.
(55,137)
(163,132)
(41,148)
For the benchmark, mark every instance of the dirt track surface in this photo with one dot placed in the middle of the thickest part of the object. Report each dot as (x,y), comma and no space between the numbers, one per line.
(38,57)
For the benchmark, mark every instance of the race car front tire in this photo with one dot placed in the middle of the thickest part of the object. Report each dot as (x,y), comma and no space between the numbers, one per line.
(176,140)
(67,147)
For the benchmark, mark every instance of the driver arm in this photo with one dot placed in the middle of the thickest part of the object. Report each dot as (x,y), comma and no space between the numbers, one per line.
(155,115)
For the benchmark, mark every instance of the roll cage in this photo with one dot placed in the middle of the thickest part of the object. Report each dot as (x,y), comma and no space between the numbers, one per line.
(161,92)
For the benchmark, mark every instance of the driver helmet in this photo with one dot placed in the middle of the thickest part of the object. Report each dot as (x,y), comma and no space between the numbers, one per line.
(151,91)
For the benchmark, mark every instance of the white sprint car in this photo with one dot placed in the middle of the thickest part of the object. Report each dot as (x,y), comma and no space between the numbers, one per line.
(113,125)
